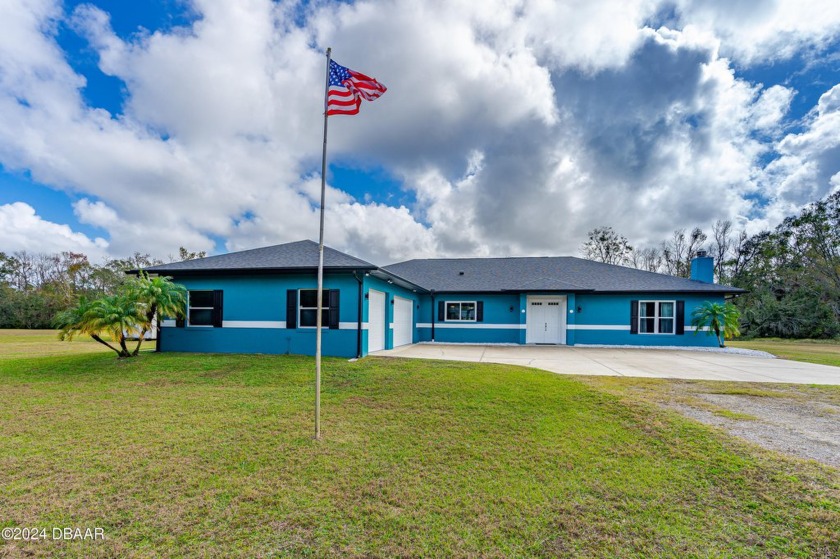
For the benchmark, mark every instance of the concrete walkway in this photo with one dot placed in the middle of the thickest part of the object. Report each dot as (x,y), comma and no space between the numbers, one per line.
(650,363)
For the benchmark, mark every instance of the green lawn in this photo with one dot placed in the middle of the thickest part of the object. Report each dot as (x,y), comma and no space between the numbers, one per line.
(184,455)
(823,352)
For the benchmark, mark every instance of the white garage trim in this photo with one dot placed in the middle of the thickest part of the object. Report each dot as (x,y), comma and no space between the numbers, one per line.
(376,320)
(403,324)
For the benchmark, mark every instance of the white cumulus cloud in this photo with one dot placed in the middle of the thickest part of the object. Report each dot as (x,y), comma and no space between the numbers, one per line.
(22,229)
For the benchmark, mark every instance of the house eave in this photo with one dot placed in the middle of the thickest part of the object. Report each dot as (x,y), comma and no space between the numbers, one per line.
(385,275)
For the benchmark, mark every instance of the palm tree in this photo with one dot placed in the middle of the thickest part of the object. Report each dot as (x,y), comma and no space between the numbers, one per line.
(157,296)
(112,315)
(73,321)
(720,319)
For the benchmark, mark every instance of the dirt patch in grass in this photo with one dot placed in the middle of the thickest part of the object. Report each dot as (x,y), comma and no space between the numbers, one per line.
(799,420)
(799,427)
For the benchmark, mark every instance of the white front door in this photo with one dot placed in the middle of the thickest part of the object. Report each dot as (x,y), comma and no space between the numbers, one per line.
(546,320)
(403,321)
(376,320)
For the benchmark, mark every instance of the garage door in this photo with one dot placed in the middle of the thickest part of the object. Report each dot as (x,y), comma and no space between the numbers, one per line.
(403,321)
(376,321)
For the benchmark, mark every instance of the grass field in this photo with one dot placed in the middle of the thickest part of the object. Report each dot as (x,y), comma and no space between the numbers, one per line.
(823,352)
(184,455)
(22,344)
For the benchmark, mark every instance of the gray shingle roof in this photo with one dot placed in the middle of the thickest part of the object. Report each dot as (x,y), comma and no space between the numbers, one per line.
(300,255)
(558,273)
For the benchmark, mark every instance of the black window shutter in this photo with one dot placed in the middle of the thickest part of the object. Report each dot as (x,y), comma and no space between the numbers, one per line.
(634,317)
(180,322)
(479,311)
(333,298)
(217,308)
(441,311)
(680,326)
(291,308)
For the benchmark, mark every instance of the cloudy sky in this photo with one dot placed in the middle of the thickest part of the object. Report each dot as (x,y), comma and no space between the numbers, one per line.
(509,126)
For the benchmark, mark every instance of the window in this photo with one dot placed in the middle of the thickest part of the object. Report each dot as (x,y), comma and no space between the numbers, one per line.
(204,308)
(656,317)
(460,311)
(309,308)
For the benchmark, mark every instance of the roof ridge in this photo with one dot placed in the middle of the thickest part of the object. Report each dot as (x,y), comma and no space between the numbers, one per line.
(540,278)
(640,270)
(356,258)
(452,258)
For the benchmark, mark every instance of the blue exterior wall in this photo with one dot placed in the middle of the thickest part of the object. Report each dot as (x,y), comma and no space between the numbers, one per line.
(391,290)
(590,318)
(612,313)
(263,299)
(503,320)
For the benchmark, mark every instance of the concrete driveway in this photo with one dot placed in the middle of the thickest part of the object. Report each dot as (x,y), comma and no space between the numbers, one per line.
(650,363)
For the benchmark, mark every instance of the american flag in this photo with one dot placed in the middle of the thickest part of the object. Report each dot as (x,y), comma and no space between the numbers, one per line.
(347,89)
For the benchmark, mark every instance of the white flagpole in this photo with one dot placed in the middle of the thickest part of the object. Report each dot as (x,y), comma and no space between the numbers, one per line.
(318,320)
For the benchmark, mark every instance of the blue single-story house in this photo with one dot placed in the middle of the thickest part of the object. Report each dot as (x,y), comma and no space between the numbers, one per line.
(264,301)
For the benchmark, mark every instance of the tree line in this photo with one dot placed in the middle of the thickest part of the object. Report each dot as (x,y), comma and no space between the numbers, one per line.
(792,273)
(36,287)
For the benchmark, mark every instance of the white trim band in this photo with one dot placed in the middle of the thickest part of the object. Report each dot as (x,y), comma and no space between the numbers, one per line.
(276,324)
(267,324)
(472,325)
(617,327)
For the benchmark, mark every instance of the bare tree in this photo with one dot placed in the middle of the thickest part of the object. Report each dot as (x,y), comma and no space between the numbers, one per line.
(45,268)
(648,259)
(696,242)
(22,270)
(673,252)
(184,254)
(605,245)
(722,248)
(678,252)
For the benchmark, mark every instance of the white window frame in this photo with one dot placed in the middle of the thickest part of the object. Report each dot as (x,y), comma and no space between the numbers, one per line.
(301,308)
(190,308)
(656,316)
(446,311)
